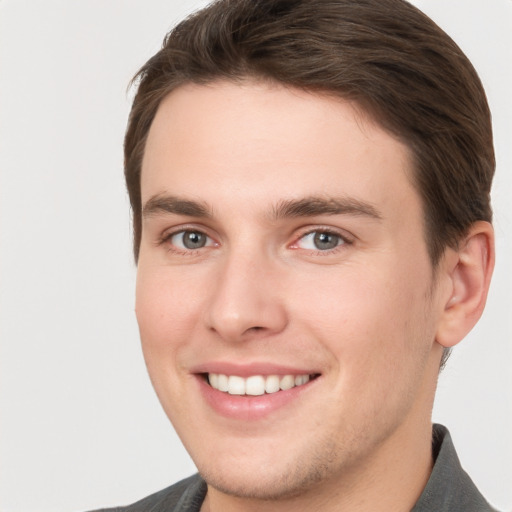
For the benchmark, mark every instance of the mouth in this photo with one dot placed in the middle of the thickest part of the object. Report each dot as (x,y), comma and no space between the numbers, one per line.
(256,385)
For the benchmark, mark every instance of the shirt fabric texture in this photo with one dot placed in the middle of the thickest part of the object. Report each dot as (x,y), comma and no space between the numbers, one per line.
(449,488)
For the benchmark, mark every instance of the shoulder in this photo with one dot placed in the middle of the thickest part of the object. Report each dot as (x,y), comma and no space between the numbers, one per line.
(184,496)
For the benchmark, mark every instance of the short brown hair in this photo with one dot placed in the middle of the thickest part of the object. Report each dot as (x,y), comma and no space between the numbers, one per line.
(386,55)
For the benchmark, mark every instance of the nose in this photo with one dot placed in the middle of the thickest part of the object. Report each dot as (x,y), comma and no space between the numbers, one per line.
(246,302)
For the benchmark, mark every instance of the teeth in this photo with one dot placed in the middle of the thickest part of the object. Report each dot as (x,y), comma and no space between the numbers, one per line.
(223,383)
(301,379)
(236,385)
(214,380)
(255,385)
(272,384)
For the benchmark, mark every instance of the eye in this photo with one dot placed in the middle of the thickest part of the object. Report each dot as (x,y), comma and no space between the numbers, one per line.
(320,241)
(190,240)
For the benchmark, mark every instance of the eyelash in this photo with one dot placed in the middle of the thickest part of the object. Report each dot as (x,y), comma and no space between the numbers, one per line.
(344,241)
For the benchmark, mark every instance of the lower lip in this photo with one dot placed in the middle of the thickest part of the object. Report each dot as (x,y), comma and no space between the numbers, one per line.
(250,408)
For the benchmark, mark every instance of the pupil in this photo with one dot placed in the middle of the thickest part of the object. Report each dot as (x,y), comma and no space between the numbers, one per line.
(325,241)
(193,240)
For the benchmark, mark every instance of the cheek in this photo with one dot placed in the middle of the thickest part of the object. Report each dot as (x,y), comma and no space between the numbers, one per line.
(372,322)
(164,307)
(164,316)
(353,304)
(392,351)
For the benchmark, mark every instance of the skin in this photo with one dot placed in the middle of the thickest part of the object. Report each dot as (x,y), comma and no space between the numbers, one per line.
(369,317)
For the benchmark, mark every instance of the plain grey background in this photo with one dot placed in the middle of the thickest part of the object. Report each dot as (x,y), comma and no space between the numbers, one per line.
(80,425)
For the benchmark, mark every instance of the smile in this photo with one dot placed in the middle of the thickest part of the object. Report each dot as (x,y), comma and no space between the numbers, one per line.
(255,385)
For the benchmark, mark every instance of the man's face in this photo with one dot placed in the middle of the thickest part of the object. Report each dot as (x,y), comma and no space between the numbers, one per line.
(283,245)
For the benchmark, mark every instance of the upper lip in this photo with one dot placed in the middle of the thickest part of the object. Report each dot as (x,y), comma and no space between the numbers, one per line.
(256,368)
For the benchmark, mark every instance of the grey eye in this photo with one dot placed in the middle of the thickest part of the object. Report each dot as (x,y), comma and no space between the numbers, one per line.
(320,241)
(189,240)
(325,241)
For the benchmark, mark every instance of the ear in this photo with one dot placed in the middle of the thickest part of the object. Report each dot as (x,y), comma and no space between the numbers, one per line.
(469,269)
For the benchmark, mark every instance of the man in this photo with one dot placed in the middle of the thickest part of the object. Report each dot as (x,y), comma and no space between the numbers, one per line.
(310,191)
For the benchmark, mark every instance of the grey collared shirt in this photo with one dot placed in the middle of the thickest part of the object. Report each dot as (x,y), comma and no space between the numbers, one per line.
(449,488)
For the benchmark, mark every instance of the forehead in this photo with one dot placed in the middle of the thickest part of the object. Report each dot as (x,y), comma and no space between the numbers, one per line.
(264,142)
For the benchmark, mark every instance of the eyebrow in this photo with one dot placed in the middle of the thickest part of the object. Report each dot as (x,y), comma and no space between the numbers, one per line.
(312,206)
(174,205)
(304,207)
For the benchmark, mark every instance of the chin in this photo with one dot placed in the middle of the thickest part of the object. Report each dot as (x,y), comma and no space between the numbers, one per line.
(268,487)
(275,477)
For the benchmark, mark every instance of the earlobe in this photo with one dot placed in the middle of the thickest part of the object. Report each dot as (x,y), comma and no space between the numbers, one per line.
(470,273)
